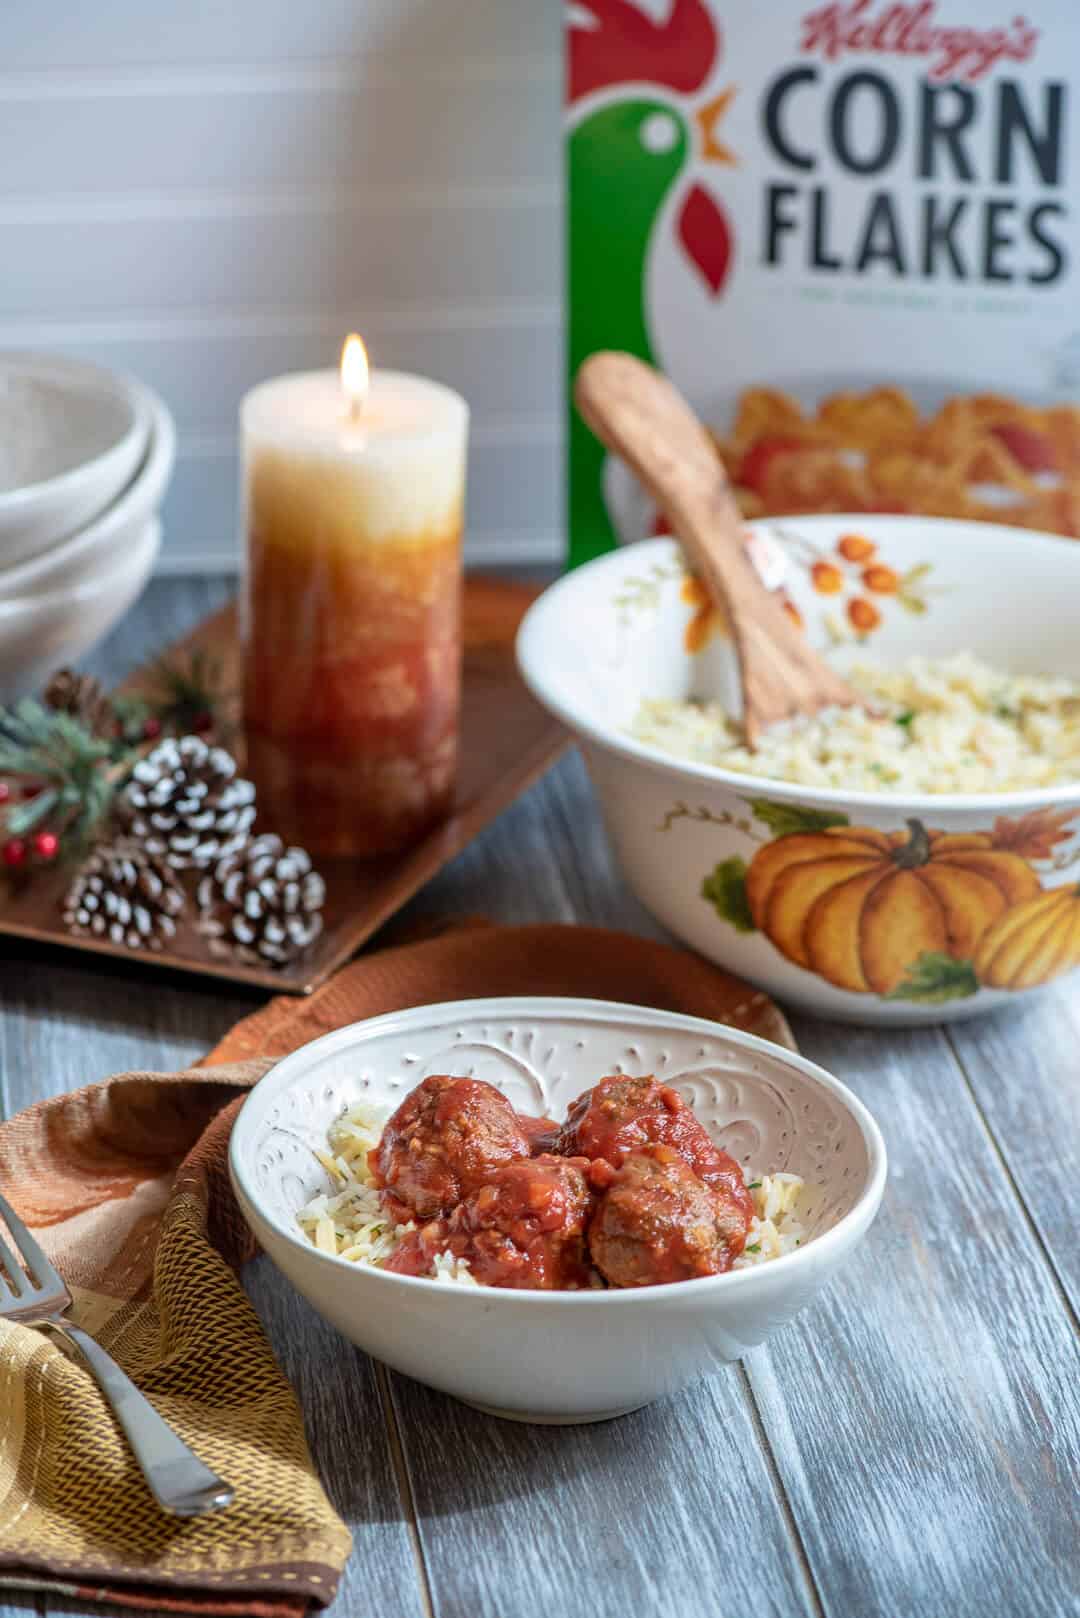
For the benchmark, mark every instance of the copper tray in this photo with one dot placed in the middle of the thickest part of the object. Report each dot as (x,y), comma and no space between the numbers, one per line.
(507,742)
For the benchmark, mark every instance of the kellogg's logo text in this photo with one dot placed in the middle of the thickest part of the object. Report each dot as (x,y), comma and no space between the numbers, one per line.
(911,30)
(909,162)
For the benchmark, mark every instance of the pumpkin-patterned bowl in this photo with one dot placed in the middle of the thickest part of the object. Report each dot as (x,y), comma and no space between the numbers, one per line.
(873,907)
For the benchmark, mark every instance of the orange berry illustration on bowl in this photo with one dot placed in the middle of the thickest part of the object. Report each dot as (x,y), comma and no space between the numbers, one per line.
(856,547)
(882,580)
(863,615)
(707,619)
(826,578)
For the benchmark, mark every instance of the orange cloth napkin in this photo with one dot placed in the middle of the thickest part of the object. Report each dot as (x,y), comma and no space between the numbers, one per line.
(125,1184)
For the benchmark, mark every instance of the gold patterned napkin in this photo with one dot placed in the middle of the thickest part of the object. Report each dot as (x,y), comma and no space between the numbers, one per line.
(125,1185)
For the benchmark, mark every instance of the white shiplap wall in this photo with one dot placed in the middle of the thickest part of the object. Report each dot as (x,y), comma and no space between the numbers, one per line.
(208,192)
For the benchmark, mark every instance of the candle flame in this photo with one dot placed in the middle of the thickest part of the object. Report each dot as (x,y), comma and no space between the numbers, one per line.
(355,372)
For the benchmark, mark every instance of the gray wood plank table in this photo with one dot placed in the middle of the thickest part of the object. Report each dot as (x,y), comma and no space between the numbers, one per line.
(909,1447)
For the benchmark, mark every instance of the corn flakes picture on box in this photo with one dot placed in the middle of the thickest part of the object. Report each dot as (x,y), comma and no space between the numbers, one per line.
(847,232)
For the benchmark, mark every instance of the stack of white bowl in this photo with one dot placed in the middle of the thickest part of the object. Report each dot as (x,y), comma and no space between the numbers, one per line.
(85,458)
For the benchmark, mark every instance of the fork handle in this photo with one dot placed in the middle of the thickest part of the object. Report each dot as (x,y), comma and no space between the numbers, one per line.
(180,1482)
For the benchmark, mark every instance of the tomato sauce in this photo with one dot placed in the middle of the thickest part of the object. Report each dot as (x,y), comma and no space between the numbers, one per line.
(629,1192)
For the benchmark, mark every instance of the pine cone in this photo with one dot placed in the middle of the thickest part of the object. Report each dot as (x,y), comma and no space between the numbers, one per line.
(263,904)
(84,698)
(126,895)
(186,803)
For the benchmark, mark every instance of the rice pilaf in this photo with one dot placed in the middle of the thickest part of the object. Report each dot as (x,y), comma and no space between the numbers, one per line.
(949,724)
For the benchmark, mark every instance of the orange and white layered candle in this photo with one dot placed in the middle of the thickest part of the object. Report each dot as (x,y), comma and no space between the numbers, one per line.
(353,505)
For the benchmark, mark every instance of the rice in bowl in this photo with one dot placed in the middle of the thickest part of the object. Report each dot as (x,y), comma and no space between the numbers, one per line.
(350,1221)
(941,725)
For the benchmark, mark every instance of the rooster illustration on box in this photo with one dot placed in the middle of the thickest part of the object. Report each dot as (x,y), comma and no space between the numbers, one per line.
(640,112)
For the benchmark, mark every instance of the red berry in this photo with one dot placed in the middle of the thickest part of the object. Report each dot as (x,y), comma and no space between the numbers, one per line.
(201,723)
(46,845)
(14,853)
(151,729)
(33,789)
(5,792)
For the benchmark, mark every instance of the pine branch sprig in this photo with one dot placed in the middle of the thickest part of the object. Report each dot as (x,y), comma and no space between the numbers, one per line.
(59,754)
(185,691)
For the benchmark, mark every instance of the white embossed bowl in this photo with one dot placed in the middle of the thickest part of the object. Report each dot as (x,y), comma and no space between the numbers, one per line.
(105,543)
(43,632)
(561,1356)
(71,437)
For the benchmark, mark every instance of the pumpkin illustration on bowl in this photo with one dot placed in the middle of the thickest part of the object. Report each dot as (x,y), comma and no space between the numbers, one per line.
(1033,943)
(862,907)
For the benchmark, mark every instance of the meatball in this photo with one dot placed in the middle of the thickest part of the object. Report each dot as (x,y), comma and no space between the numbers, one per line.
(526,1227)
(442,1143)
(658,1222)
(621,1114)
(541,1133)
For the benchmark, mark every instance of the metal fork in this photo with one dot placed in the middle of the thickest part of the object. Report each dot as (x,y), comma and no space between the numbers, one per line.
(36,1296)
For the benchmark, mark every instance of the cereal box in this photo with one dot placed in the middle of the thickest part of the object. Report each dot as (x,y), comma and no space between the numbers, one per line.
(849,232)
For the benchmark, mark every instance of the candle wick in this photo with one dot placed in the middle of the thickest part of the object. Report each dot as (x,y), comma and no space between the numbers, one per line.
(356,409)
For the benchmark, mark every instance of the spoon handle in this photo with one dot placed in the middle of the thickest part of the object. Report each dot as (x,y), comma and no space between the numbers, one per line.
(642,418)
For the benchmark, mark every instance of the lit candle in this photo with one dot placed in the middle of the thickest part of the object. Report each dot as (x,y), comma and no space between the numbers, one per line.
(353,499)
(355,375)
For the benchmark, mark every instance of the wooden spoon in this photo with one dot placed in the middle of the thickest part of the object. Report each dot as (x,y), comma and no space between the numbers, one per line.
(638,414)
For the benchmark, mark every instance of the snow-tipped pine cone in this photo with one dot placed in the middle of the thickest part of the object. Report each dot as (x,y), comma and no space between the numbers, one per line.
(186,803)
(262,905)
(124,894)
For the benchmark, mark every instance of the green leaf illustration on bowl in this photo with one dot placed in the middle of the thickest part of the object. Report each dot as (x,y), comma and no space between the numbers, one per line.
(934,979)
(910,593)
(725,890)
(785,819)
